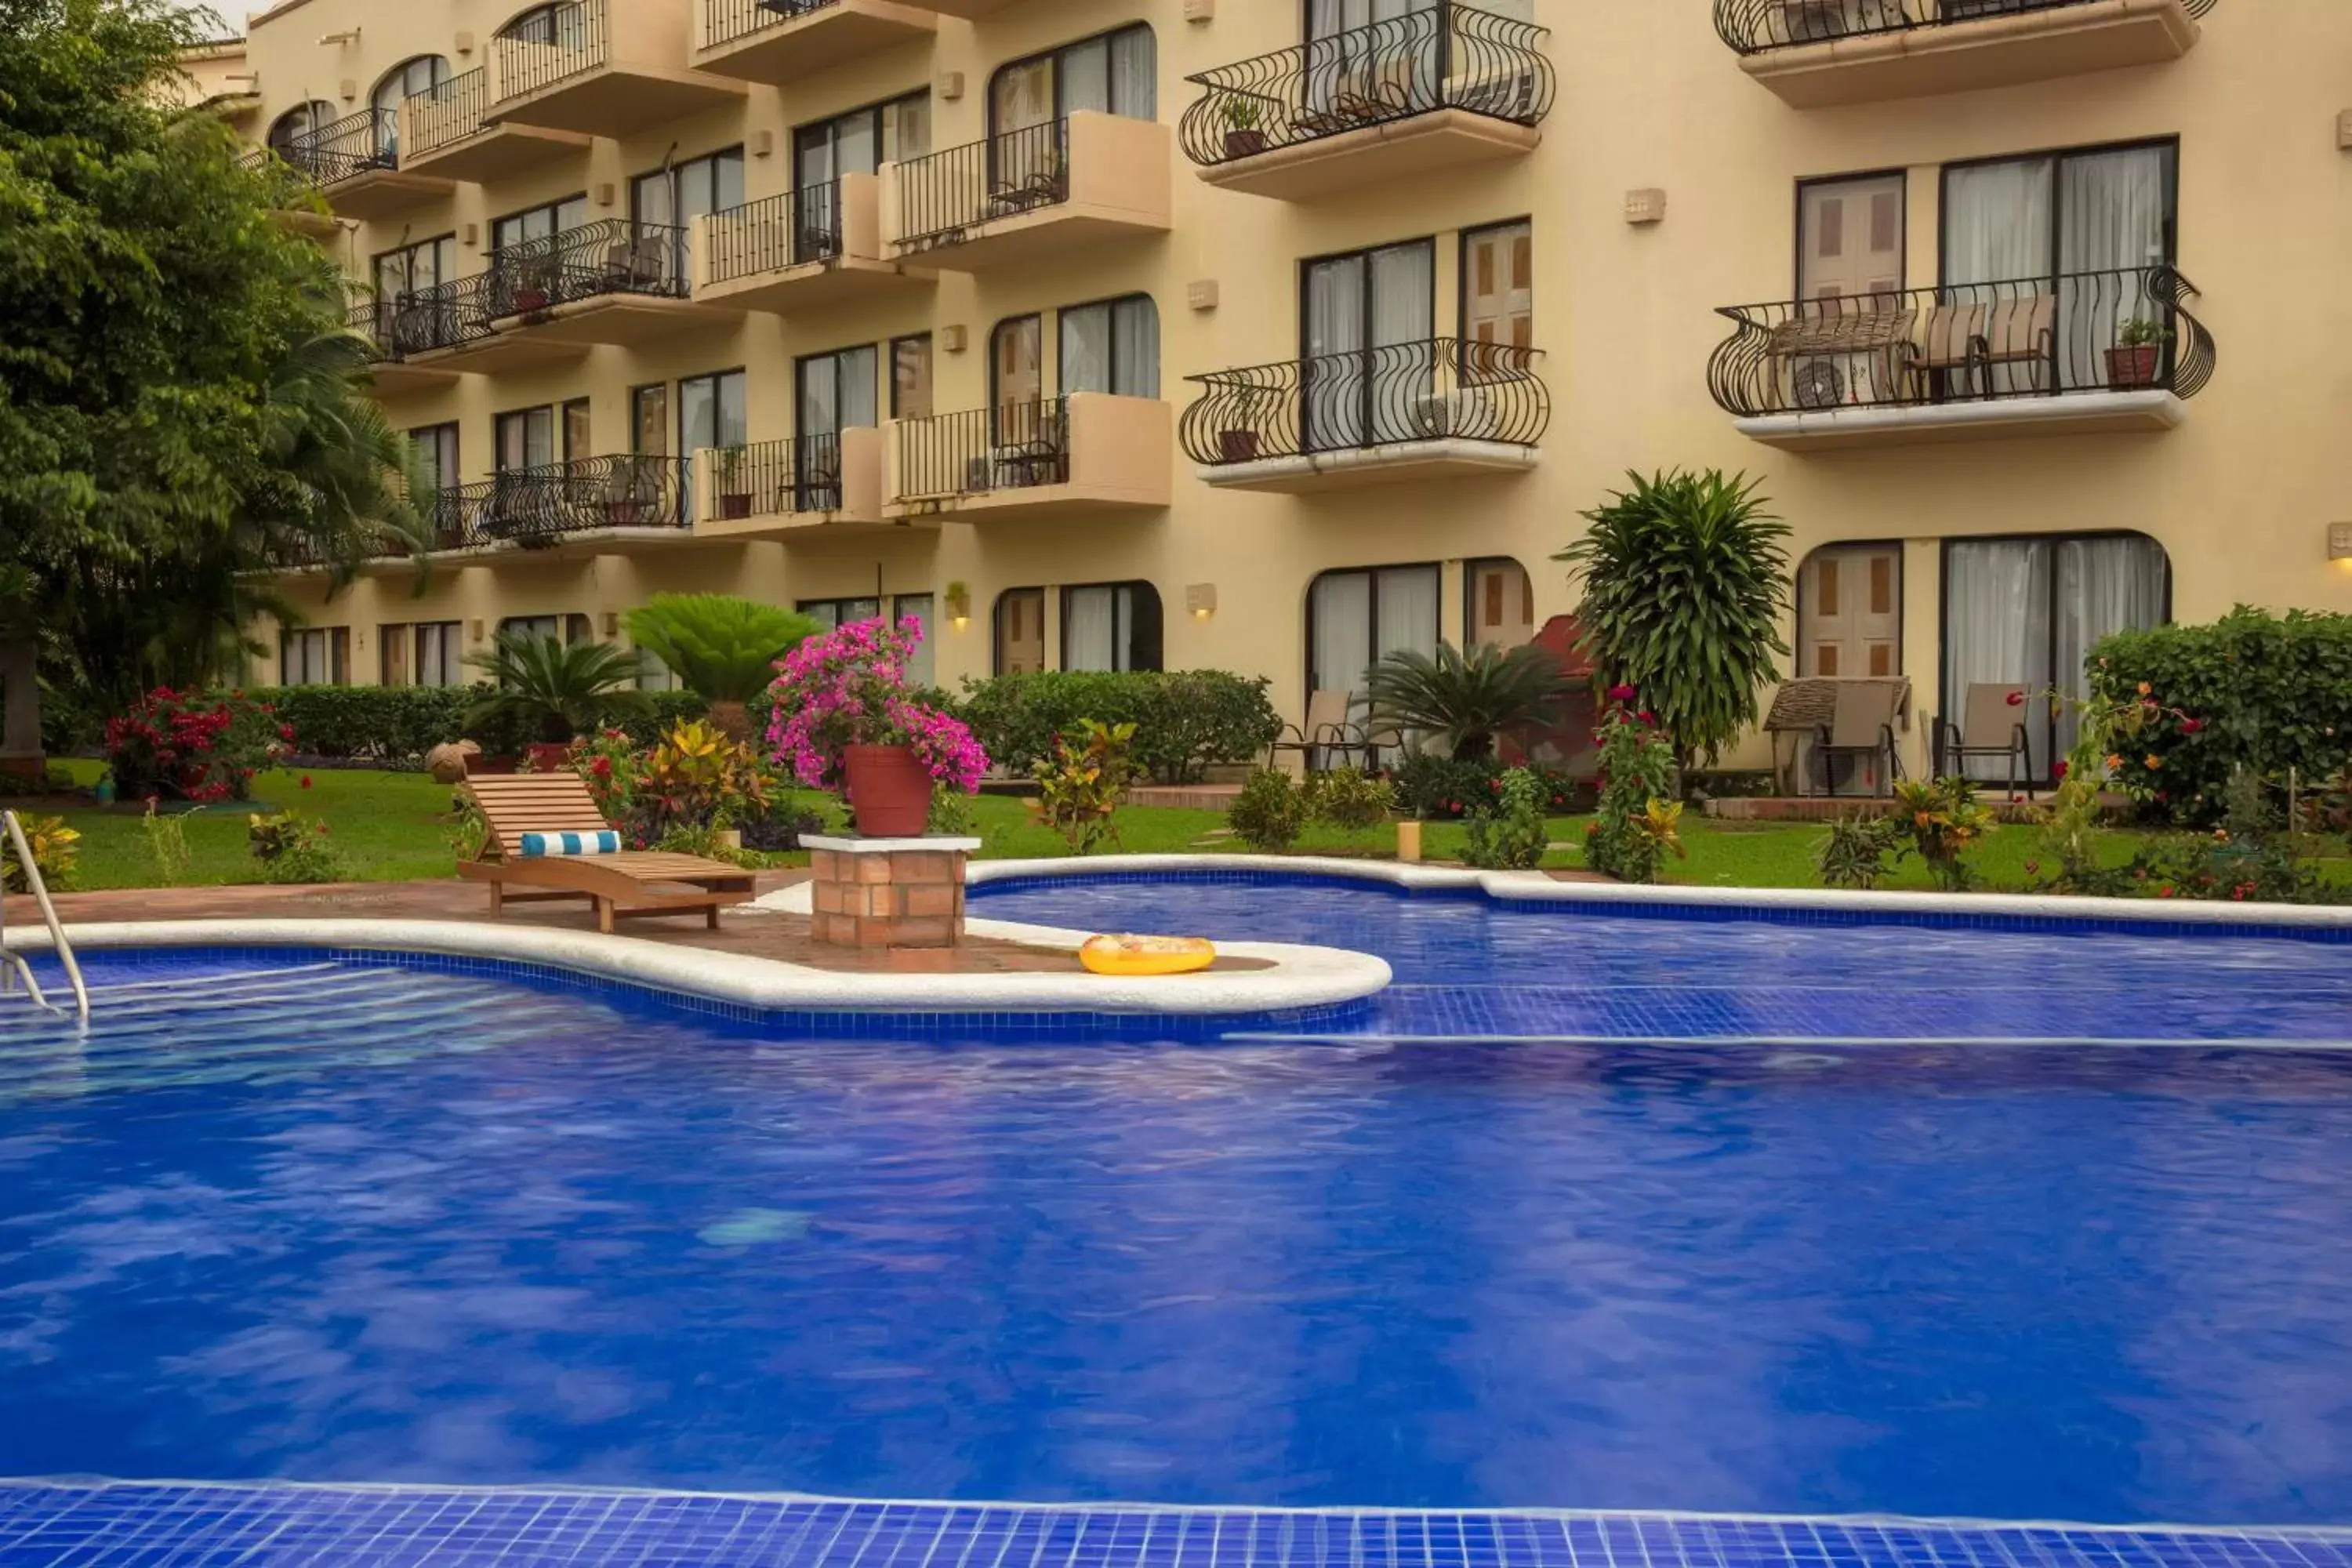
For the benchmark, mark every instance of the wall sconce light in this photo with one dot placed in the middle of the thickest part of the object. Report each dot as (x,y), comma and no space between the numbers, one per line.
(1646,206)
(2339,541)
(764,144)
(959,604)
(1200,598)
(954,338)
(612,623)
(473,631)
(605,193)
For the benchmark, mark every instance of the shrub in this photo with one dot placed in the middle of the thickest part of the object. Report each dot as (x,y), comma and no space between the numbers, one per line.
(396,726)
(1269,813)
(292,849)
(1854,855)
(722,646)
(1439,789)
(1347,798)
(1079,789)
(1465,700)
(54,848)
(1637,766)
(1944,821)
(951,814)
(1686,587)
(1511,837)
(696,776)
(1185,721)
(554,689)
(167,843)
(197,746)
(2268,694)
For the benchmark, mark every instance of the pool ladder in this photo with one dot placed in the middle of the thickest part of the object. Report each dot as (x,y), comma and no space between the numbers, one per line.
(13,965)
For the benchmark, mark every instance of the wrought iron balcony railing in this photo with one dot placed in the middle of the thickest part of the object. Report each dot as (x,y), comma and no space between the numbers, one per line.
(1443,389)
(725,21)
(1752,27)
(1014,447)
(1451,56)
(773,477)
(610,255)
(775,232)
(352,145)
(942,196)
(2124,330)
(441,317)
(447,112)
(542,505)
(559,44)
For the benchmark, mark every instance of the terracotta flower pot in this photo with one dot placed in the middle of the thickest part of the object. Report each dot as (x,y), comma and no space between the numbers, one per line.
(735,507)
(2133,366)
(1243,144)
(889,792)
(477,763)
(1237,446)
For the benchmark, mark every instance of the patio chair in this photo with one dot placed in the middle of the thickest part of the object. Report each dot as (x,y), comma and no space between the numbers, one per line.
(524,811)
(1326,732)
(1860,730)
(1952,345)
(1991,728)
(2018,331)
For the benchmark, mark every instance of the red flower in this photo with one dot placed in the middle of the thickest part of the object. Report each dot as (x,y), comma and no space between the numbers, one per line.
(1621,694)
(2064,768)
(1646,716)
(2192,726)
(286,734)
(306,780)
(2017,699)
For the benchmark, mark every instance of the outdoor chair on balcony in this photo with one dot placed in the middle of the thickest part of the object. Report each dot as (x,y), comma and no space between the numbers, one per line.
(1991,729)
(639,263)
(2018,331)
(1953,347)
(1327,732)
(1861,731)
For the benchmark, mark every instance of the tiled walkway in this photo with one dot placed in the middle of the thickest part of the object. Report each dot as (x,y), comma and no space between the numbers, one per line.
(172,1526)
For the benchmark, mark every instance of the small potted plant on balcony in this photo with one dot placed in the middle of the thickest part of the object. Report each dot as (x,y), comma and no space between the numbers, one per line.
(731,480)
(534,285)
(627,496)
(1245,118)
(2137,355)
(1237,434)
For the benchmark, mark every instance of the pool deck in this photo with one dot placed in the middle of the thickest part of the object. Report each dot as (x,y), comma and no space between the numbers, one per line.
(77,1524)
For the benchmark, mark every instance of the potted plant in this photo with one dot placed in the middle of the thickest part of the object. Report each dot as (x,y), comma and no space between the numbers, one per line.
(553,689)
(1245,118)
(2138,355)
(534,285)
(625,497)
(732,481)
(845,718)
(1237,437)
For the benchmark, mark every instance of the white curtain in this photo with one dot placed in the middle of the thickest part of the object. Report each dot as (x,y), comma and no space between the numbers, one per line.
(1404,375)
(1086,336)
(1339,608)
(2112,228)
(1407,605)
(1997,222)
(1086,77)
(1335,327)
(1089,628)
(2103,585)
(1996,630)
(1135,333)
(921,669)
(820,396)
(1134,74)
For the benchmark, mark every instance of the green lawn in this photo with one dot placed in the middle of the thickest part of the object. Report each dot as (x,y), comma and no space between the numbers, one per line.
(395,828)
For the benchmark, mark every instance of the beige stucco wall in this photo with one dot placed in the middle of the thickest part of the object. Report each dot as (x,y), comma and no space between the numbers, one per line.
(2240,495)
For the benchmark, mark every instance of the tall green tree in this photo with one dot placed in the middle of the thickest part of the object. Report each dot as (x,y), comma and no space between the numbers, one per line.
(1684,588)
(180,408)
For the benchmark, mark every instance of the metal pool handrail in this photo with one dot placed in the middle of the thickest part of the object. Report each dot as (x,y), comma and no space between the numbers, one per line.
(40,892)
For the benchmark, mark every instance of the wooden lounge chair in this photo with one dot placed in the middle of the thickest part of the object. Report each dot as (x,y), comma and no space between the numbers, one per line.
(633,882)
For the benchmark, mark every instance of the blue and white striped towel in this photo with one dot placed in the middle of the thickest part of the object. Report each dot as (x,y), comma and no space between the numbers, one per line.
(538,844)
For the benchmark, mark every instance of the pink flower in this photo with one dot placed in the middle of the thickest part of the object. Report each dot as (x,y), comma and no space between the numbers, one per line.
(2016,700)
(2062,768)
(2192,726)
(1621,694)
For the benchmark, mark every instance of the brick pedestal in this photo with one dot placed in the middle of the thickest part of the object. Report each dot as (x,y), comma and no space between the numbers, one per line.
(888,892)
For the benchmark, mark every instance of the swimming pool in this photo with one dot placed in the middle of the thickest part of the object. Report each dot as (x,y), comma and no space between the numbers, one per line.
(320,1221)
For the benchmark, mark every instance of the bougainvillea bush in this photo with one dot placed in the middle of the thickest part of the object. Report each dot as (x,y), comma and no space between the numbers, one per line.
(202,746)
(849,688)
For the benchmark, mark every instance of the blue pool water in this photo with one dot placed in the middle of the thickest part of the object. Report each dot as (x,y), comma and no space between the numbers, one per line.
(308,1220)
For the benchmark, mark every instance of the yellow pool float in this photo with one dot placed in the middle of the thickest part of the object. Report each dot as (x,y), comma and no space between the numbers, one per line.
(1146,954)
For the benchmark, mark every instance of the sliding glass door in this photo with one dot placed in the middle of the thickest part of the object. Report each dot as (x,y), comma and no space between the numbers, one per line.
(1370,365)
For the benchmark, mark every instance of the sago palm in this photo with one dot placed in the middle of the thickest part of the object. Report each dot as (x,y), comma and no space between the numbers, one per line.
(1686,584)
(1465,700)
(722,646)
(558,689)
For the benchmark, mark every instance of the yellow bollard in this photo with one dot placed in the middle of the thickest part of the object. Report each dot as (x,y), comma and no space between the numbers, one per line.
(1409,843)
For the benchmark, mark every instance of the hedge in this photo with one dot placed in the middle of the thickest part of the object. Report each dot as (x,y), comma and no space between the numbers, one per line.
(2270,694)
(1185,721)
(396,725)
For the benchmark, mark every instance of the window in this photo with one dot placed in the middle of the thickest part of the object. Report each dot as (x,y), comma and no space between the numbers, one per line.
(676,195)
(440,654)
(314,656)
(1111,347)
(2024,613)
(391,656)
(1116,73)
(1371,365)
(1354,618)
(1020,636)
(563,25)
(1016,352)
(652,675)
(910,377)
(413,269)
(1849,237)
(649,419)
(1500,607)
(838,390)
(435,447)
(1110,626)
(299,122)
(921,669)
(1499,289)
(832,613)
(862,141)
(526,438)
(537,223)
(422,74)
(710,412)
(1850,611)
(569,629)
(576,443)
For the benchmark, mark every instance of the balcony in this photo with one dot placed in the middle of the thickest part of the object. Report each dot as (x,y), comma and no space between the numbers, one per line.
(1426,91)
(970,10)
(809,249)
(388,373)
(1084,455)
(355,163)
(782,41)
(1038,190)
(2081,353)
(294,201)
(447,132)
(1436,410)
(822,484)
(584,506)
(448,329)
(611,281)
(602,69)
(1817,53)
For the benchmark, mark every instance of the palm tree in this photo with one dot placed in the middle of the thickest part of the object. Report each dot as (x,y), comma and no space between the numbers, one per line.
(1465,700)
(558,689)
(722,646)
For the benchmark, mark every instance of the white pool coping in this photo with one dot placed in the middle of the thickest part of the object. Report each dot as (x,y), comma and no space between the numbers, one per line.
(1535,887)
(1300,976)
